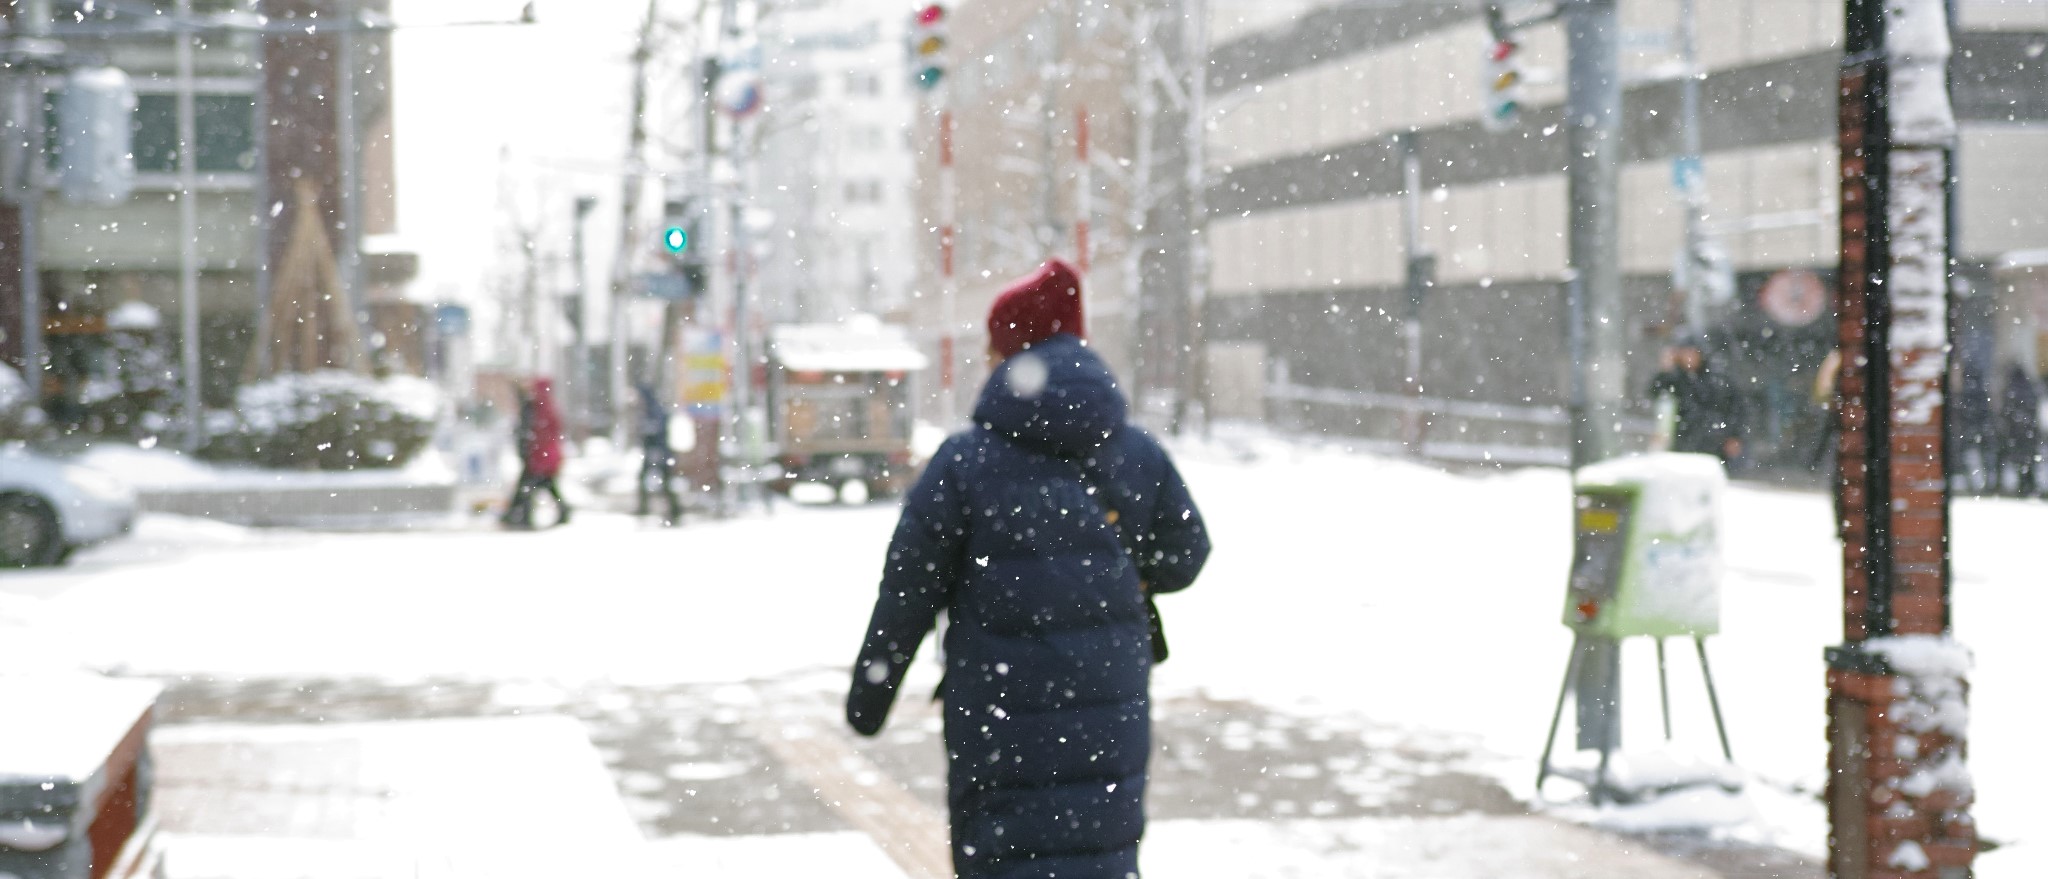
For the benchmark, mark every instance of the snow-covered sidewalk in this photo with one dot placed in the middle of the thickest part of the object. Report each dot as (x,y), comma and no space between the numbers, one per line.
(1343,586)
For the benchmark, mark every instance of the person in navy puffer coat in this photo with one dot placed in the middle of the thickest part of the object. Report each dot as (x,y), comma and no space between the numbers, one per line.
(1039,533)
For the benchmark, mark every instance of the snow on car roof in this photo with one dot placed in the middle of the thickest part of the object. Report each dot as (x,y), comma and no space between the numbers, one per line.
(853,346)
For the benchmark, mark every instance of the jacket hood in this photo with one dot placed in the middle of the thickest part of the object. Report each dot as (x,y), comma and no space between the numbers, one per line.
(1057,396)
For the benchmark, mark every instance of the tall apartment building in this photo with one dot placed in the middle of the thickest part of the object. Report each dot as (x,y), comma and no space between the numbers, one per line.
(834,166)
(267,121)
(1306,225)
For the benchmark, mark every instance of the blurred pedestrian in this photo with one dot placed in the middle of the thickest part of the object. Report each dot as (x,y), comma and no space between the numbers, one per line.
(1826,391)
(657,457)
(540,454)
(516,514)
(1974,431)
(2019,432)
(1709,409)
(1827,397)
(1042,533)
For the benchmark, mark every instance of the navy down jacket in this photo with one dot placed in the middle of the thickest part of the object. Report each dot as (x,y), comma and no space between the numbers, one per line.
(1033,532)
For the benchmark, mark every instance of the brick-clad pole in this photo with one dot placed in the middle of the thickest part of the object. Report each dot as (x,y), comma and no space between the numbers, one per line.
(1898,793)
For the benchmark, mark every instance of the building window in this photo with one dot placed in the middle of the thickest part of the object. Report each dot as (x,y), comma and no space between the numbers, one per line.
(864,190)
(225,125)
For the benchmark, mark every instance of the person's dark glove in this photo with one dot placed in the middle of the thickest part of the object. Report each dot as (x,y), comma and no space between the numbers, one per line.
(867,704)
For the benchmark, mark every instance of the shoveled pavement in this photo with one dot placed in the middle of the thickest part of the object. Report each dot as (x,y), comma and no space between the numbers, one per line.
(718,774)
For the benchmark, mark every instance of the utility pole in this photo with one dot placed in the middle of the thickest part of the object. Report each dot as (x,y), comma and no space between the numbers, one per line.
(1143,21)
(949,194)
(629,237)
(188,234)
(1596,324)
(33,17)
(579,373)
(728,39)
(1700,271)
(1898,793)
(1594,319)
(1421,276)
(1194,339)
(349,252)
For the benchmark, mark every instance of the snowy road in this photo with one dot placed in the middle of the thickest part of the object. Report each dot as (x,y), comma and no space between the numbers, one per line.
(1372,640)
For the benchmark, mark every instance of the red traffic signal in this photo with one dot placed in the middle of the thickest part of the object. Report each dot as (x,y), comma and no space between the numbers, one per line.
(1501,50)
(931,14)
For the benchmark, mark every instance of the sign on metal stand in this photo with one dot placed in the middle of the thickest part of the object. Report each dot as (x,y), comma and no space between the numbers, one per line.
(1648,564)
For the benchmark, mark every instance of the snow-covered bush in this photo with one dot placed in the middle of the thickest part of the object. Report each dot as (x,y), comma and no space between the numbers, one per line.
(20,419)
(132,395)
(325,421)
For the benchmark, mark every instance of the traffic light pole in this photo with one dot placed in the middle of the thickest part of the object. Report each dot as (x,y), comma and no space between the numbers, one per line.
(1898,793)
(1595,321)
(1421,271)
(1194,356)
(1692,182)
(1595,327)
(630,240)
(34,20)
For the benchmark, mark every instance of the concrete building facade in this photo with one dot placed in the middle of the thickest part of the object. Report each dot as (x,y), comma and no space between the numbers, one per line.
(834,166)
(1306,224)
(266,119)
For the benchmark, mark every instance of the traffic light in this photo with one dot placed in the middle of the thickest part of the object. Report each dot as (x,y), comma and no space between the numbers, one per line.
(928,46)
(1503,84)
(682,220)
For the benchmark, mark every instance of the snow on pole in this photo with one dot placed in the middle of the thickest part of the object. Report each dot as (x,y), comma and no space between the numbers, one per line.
(1923,127)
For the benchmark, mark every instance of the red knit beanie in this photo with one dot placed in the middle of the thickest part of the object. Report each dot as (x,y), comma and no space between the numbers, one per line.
(1035,308)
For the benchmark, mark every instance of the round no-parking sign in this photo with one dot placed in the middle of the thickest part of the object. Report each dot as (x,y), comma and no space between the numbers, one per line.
(1794,297)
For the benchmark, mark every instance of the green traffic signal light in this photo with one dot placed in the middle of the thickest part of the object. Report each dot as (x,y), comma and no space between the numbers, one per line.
(676,239)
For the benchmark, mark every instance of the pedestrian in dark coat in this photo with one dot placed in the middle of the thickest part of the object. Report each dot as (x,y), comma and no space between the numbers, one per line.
(1709,408)
(1038,532)
(518,508)
(657,458)
(2019,431)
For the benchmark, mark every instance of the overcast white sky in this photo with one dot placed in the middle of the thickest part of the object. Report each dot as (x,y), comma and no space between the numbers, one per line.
(538,110)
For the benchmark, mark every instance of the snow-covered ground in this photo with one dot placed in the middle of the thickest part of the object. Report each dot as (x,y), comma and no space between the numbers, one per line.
(1341,584)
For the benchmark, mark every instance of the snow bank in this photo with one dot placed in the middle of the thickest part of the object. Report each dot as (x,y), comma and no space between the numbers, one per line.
(134,317)
(13,390)
(282,401)
(160,470)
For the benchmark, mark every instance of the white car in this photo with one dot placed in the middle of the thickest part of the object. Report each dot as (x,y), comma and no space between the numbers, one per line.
(50,507)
